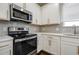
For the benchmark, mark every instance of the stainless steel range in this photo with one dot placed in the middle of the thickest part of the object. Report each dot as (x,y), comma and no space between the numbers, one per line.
(23,43)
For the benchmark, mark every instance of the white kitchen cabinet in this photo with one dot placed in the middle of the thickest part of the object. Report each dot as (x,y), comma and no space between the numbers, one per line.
(39,42)
(49,43)
(50,14)
(55,45)
(46,43)
(69,47)
(58,45)
(4,11)
(6,47)
(44,15)
(5,50)
(42,43)
(36,12)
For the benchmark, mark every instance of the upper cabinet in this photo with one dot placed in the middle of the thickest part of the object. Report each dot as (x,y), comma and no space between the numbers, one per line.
(4,11)
(50,14)
(70,12)
(36,12)
(45,15)
(69,46)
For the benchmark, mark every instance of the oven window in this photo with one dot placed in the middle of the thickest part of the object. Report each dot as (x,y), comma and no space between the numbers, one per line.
(25,47)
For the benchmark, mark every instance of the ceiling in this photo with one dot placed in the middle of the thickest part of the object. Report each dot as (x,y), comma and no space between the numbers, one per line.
(41,4)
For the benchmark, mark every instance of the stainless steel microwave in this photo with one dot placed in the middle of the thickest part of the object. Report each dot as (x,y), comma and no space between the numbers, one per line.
(18,13)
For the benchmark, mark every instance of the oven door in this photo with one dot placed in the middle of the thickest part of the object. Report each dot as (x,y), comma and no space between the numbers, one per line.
(25,47)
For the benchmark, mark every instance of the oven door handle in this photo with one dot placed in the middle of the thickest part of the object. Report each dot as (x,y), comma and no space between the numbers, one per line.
(25,39)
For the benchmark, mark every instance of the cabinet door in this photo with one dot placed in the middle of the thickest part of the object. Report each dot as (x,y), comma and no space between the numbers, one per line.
(53,14)
(4,11)
(54,45)
(36,12)
(68,48)
(5,50)
(50,14)
(39,42)
(44,15)
(43,43)
(46,43)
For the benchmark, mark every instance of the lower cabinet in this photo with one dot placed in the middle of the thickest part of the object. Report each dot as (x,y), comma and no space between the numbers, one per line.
(58,45)
(6,48)
(69,47)
(55,45)
(5,51)
(49,44)
(46,43)
(39,43)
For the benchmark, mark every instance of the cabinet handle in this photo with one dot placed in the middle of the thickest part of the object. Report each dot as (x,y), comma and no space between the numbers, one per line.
(10,52)
(48,20)
(7,13)
(78,50)
(49,42)
(36,21)
(3,46)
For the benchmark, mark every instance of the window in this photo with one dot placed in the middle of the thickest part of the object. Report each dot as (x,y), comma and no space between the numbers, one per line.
(76,23)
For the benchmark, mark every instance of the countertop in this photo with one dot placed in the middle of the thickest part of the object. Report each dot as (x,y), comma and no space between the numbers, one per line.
(5,38)
(61,34)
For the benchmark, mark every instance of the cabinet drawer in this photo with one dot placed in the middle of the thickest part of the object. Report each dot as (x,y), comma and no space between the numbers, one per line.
(5,52)
(2,44)
(74,40)
(4,47)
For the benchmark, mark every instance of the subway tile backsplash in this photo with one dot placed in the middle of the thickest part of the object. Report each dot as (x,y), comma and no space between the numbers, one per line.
(50,29)
(5,24)
(33,29)
(70,30)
